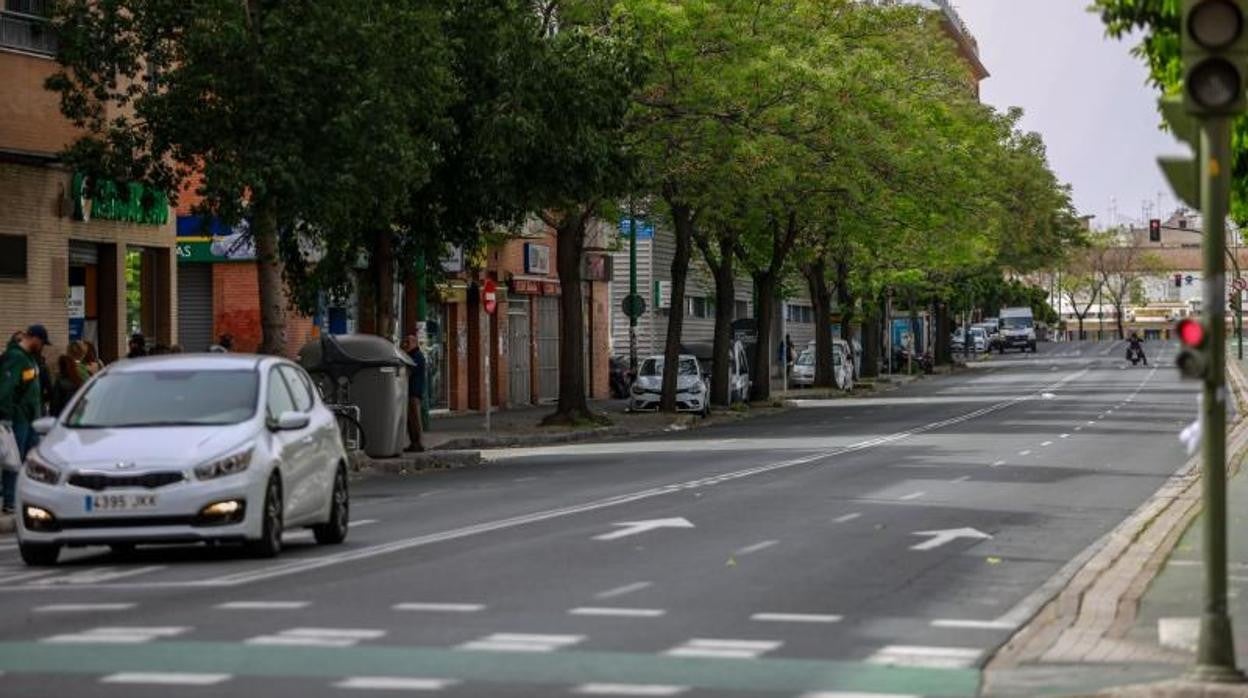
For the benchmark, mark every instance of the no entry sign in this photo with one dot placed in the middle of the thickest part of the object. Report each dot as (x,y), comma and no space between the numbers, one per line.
(489,296)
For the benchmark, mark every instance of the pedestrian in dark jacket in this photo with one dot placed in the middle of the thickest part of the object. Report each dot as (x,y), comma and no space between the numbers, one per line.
(415,394)
(21,398)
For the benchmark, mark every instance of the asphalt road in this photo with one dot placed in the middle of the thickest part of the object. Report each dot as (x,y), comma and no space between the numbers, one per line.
(881,545)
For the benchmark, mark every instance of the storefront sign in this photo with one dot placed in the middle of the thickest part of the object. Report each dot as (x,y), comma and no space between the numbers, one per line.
(112,200)
(210,240)
(453,260)
(550,288)
(76,308)
(525,286)
(536,258)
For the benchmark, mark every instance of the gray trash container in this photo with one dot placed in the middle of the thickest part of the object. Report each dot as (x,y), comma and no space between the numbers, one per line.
(371,373)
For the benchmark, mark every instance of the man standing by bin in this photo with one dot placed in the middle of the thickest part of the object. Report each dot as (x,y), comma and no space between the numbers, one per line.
(415,391)
(21,397)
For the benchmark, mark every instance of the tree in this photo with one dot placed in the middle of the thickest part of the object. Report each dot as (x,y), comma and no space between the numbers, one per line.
(1120,268)
(219,89)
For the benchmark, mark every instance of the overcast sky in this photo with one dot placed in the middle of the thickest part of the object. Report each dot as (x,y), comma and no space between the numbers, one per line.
(1084,92)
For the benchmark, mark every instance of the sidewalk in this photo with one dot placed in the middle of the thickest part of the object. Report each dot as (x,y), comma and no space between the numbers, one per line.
(1126,623)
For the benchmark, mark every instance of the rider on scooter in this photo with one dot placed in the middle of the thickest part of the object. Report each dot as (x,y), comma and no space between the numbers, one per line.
(1136,345)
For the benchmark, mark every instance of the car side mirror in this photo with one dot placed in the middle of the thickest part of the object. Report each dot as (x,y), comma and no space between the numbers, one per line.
(292,421)
(43,425)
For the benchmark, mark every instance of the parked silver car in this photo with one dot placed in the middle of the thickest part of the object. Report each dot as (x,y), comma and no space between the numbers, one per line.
(185,448)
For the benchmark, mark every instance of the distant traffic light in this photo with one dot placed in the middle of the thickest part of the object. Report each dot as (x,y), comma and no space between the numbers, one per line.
(1215,57)
(1154,230)
(1193,358)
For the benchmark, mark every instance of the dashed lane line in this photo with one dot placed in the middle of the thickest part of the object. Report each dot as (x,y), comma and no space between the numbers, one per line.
(797,617)
(440,607)
(83,607)
(318,637)
(263,605)
(911,496)
(756,547)
(628,689)
(972,624)
(713,648)
(521,642)
(166,678)
(117,635)
(622,590)
(395,683)
(927,657)
(617,612)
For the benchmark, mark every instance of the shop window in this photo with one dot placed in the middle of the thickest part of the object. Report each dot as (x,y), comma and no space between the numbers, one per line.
(12,257)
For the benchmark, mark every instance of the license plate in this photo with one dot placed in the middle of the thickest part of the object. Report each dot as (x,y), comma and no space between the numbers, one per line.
(118,502)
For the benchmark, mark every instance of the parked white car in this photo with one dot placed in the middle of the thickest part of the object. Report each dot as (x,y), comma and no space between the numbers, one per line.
(803,373)
(185,448)
(692,393)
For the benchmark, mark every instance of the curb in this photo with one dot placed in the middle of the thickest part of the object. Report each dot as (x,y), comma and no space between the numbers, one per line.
(415,462)
(1092,603)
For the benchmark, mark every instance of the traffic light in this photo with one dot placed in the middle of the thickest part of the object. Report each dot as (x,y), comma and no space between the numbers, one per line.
(1193,358)
(1154,230)
(1215,57)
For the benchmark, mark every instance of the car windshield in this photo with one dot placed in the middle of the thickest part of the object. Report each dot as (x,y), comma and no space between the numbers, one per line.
(1015,323)
(166,398)
(654,367)
(806,358)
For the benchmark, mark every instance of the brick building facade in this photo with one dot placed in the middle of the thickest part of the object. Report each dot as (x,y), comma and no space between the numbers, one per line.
(87,259)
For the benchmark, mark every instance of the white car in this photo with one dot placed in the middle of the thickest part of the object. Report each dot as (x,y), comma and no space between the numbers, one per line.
(692,394)
(185,448)
(803,373)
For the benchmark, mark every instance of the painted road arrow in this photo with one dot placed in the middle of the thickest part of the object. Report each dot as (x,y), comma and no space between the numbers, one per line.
(947,535)
(634,527)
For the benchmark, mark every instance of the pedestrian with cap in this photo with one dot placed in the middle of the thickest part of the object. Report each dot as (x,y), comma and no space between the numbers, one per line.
(21,399)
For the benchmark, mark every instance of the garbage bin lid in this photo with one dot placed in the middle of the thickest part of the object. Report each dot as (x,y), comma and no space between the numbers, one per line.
(351,352)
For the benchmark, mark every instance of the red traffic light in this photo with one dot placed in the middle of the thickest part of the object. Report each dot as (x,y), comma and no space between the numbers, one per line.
(1191,333)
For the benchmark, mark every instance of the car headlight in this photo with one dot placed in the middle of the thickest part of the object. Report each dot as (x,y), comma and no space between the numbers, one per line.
(229,465)
(40,470)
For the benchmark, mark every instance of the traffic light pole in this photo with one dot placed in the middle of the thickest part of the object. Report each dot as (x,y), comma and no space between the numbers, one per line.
(632,286)
(1215,654)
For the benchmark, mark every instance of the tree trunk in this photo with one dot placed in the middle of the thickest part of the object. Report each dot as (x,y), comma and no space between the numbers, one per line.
(845,301)
(682,223)
(816,274)
(765,291)
(573,406)
(1081,335)
(943,353)
(721,265)
(383,259)
(1122,330)
(870,341)
(269,276)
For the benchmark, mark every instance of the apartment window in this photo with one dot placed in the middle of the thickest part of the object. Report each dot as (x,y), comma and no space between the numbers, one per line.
(698,307)
(24,26)
(741,309)
(13,257)
(802,314)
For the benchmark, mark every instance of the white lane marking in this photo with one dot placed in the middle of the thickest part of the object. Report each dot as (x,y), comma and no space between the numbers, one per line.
(964,478)
(1046,443)
(617,612)
(847,517)
(96,575)
(118,635)
(263,605)
(972,624)
(632,528)
(1065,436)
(379,549)
(1024,453)
(997,464)
(762,545)
(622,590)
(430,493)
(947,535)
(796,618)
(395,683)
(521,642)
(857,694)
(724,649)
(628,689)
(1079,428)
(318,637)
(364,522)
(440,607)
(927,657)
(166,678)
(83,607)
(912,495)
(25,576)
(1091,422)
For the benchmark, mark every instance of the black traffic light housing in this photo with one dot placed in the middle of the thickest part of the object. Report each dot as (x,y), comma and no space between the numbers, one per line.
(1215,57)
(1154,230)
(1193,358)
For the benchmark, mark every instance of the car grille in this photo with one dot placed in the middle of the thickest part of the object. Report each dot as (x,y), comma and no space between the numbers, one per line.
(99,481)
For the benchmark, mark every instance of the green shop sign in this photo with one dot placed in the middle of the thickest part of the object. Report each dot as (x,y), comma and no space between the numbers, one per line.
(113,200)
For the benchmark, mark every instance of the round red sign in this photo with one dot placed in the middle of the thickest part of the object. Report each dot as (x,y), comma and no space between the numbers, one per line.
(489,296)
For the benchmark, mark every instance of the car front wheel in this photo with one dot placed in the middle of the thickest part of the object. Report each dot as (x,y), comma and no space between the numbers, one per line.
(334,531)
(270,542)
(39,554)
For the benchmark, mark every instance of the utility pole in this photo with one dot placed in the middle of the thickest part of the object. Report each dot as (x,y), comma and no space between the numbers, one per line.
(1215,62)
(632,287)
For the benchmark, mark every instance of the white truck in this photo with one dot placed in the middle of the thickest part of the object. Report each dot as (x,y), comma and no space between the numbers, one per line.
(1018,330)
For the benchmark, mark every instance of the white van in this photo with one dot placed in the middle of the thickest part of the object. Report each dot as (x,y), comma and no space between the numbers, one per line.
(1018,330)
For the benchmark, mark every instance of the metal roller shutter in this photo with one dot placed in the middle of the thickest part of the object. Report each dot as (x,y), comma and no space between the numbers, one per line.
(195,307)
